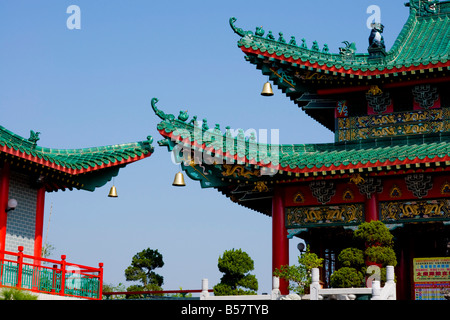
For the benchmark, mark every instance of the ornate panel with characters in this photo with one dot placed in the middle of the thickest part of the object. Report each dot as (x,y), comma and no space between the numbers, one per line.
(335,215)
(393,124)
(411,211)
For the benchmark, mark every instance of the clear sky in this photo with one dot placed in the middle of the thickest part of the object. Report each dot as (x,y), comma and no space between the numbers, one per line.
(92,87)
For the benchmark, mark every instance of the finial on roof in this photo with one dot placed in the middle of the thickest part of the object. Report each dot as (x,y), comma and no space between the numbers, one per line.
(293,42)
(239,31)
(424,7)
(349,50)
(259,31)
(315,46)
(270,36)
(160,113)
(34,137)
(304,44)
(376,40)
(183,116)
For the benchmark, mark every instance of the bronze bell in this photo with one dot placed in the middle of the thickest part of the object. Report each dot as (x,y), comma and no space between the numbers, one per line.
(267,89)
(112,192)
(179,180)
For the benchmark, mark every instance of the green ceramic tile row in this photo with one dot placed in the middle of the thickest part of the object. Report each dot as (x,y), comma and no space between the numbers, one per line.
(75,158)
(424,40)
(311,156)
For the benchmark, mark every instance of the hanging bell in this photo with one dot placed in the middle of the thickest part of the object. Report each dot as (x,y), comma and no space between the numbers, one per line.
(267,89)
(112,192)
(179,180)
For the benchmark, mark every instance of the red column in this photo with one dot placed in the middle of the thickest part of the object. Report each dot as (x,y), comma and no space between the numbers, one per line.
(372,208)
(4,195)
(280,244)
(39,223)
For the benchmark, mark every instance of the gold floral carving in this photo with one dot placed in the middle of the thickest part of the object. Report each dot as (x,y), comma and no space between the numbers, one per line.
(261,186)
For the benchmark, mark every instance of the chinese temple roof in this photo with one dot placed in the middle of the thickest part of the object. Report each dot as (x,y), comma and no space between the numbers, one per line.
(241,161)
(310,158)
(316,79)
(423,43)
(85,168)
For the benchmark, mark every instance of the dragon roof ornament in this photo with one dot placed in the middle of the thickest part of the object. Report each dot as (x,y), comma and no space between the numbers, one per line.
(424,7)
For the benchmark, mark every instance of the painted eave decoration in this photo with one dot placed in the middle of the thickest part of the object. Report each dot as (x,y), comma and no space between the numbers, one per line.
(61,169)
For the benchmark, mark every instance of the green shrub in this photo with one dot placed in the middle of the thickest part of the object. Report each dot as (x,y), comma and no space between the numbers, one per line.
(376,246)
(299,276)
(374,233)
(236,265)
(15,294)
(351,257)
(381,255)
(347,277)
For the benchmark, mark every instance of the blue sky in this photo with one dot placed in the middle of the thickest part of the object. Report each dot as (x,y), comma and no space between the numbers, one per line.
(93,86)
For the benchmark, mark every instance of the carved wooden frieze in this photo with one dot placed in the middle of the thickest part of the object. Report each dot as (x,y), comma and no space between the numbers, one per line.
(420,121)
(433,210)
(344,214)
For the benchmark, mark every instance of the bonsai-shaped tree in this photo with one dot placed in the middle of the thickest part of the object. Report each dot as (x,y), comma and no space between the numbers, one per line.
(299,276)
(376,248)
(236,265)
(141,269)
(351,273)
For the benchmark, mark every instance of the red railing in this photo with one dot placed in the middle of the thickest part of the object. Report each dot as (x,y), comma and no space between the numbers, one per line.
(55,277)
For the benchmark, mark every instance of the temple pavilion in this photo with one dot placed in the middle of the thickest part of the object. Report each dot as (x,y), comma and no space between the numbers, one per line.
(28,171)
(389,110)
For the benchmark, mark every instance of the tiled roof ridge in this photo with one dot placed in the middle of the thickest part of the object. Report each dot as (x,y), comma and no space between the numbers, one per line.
(74,160)
(398,57)
(301,157)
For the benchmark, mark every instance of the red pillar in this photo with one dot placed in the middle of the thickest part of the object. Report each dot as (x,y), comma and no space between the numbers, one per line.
(280,244)
(4,195)
(372,208)
(39,223)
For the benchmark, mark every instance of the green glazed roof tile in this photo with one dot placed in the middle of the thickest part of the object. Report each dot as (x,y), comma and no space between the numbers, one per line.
(310,157)
(423,42)
(74,158)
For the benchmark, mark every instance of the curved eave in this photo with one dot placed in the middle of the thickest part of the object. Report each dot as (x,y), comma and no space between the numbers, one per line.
(52,164)
(392,163)
(364,72)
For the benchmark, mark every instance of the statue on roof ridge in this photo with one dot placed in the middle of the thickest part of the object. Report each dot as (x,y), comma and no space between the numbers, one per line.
(160,113)
(34,137)
(376,40)
(239,31)
(349,50)
(424,7)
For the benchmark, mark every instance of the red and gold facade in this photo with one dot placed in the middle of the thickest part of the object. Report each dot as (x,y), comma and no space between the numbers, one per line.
(390,113)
